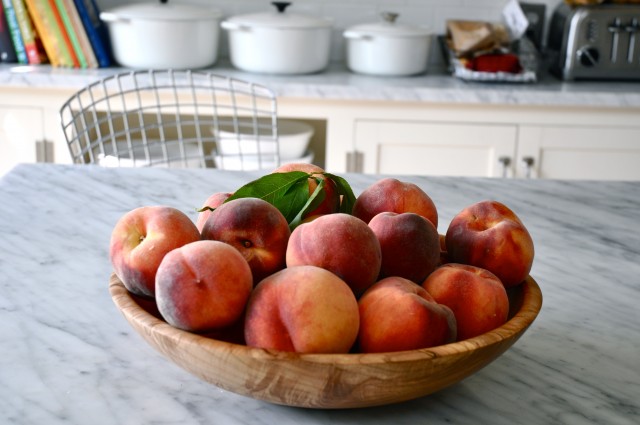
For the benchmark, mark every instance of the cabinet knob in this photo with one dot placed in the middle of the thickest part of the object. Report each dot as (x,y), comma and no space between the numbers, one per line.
(528,162)
(355,162)
(505,162)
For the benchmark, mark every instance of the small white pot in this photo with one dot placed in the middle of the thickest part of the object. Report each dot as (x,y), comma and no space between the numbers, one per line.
(388,48)
(279,42)
(163,35)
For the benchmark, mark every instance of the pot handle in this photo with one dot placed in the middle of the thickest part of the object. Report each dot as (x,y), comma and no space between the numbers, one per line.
(233,26)
(281,5)
(354,35)
(113,17)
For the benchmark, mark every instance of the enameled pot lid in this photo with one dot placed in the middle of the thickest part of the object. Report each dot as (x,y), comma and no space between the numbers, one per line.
(280,18)
(388,27)
(163,11)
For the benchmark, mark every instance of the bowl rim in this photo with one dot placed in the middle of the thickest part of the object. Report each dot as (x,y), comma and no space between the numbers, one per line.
(530,306)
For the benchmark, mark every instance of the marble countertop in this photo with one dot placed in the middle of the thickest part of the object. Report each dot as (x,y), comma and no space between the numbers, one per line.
(338,83)
(69,357)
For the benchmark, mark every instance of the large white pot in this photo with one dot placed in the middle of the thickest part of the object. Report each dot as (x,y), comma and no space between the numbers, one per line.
(279,42)
(388,48)
(163,35)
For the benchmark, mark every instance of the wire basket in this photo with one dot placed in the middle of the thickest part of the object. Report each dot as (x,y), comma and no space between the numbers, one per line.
(171,118)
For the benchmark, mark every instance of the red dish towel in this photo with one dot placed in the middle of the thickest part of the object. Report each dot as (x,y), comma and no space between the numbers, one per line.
(495,63)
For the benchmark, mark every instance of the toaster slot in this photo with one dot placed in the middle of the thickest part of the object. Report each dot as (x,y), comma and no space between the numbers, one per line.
(632,29)
(615,28)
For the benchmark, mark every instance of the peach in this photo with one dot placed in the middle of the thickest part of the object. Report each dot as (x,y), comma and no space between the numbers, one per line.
(331,202)
(140,240)
(410,245)
(213,201)
(392,195)
(202,286)
(255,228)
(397,314)
(489,235)
(476,296)
(340,243)
(303,309)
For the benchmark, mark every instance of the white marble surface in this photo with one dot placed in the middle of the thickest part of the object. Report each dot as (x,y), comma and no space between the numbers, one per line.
(337,83)
(69,357)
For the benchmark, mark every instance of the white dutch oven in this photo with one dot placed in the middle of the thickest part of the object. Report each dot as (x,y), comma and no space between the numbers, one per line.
(388,48)
(163,35)
(279,42)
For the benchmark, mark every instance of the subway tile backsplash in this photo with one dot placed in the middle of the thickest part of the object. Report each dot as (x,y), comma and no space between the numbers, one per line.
(345,13)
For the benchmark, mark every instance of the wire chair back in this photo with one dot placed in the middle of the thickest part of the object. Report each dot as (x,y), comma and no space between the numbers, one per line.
(172,118)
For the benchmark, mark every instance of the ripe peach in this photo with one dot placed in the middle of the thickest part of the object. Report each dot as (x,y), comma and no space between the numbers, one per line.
(393,195)
(331,202)
(476,296)
(202,286)
(304,309)
(256,228)
(140,240)
(397,314)
(410,245)
(213,201)
(489,235)
(340,243)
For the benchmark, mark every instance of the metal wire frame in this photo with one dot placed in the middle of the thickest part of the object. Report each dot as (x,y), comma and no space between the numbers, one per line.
(172,118)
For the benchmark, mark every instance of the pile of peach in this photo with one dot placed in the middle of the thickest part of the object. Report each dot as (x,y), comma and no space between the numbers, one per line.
(376,279)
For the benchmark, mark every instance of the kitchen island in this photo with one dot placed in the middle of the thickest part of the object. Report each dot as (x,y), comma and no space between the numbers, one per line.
(69,357)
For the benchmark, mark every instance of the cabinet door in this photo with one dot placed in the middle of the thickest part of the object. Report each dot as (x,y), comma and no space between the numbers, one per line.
(429,148)
(20,131)
(599,153)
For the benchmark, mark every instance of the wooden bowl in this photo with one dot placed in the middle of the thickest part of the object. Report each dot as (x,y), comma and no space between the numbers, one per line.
(329,381)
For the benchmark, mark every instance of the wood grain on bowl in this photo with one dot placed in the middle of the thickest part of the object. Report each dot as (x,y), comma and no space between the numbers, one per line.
(330,381)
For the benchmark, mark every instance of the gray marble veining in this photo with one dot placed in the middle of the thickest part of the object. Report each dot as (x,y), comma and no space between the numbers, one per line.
(338,83)
(69,357)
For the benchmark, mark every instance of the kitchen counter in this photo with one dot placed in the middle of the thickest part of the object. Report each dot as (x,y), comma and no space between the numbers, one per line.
(337,83)
(69,357)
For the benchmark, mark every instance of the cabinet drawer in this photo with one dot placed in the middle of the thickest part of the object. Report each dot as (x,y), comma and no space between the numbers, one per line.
(600,153)
(432,148)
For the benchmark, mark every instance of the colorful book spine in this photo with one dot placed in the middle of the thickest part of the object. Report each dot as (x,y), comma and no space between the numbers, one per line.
(61,31)
(32,43)
(14,30)
(70,33)
(81,33)
(96,31)
(7,51)
(45,28)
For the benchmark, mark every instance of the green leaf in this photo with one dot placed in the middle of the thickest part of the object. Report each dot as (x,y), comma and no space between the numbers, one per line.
(313,202)
(288,192)
(344,189)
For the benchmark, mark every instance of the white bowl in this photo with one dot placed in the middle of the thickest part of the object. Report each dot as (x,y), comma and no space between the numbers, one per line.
(253,162)
(138,156)
(293,140)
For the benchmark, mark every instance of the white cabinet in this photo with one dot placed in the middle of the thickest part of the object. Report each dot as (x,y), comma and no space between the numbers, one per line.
(446,149)
(21,136)
(520,142)
(587,152)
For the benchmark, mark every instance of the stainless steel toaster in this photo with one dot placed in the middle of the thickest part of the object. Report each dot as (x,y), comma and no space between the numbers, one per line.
(595,42)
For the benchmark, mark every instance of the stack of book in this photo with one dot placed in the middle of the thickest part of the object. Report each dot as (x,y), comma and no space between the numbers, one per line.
(64,33)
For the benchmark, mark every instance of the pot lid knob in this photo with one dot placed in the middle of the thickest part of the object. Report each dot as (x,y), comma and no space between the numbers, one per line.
(281,5)
(163,1)
(389,17)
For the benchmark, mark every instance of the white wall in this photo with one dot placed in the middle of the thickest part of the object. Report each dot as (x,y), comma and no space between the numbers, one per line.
(351,12)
